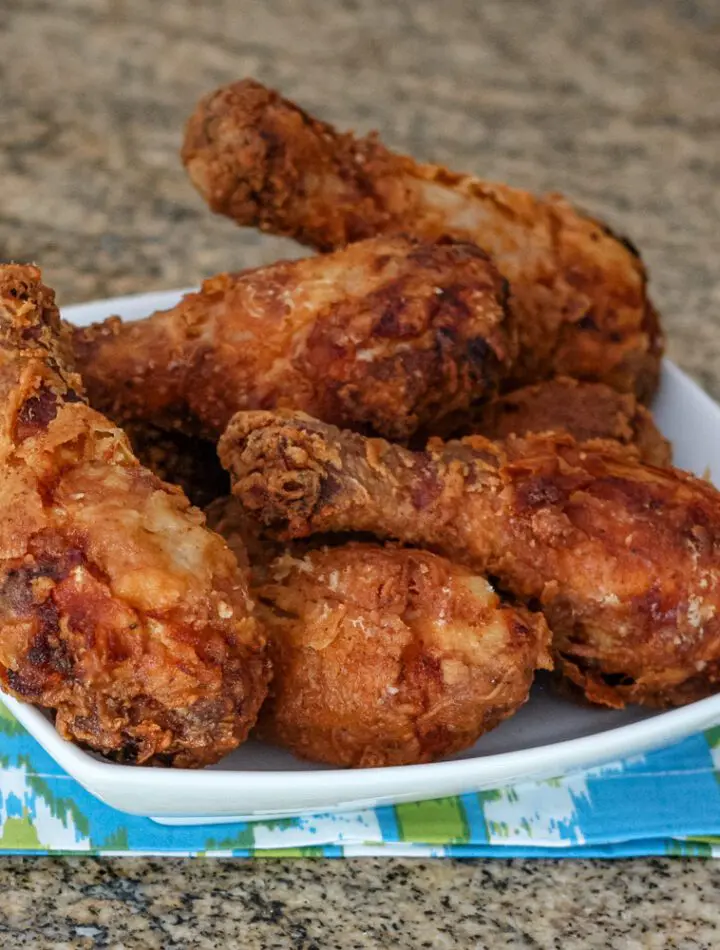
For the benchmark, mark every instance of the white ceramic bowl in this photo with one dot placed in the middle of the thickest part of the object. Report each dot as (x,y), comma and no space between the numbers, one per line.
(548,737)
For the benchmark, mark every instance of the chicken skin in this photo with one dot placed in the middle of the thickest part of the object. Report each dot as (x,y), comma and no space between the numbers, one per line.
(383,655)
(579,291)
(390,656)
(623,558)
(389,335)
(119,610)
(586,411)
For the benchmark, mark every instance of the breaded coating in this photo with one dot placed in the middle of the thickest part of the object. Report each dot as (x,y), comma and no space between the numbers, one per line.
(623,559)
(389,335)
(579,291)
(184,460)
(586,411)
(119,610)
(390,656)
(381,655)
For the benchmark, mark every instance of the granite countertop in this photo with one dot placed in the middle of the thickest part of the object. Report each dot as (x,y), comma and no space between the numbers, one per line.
(614,103)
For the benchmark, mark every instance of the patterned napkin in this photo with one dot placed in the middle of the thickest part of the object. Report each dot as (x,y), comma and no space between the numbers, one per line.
(667,802)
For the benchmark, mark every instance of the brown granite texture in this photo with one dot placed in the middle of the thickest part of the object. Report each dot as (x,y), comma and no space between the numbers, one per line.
(614,102)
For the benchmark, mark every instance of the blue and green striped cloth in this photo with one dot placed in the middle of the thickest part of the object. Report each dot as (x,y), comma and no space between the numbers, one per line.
(666,802)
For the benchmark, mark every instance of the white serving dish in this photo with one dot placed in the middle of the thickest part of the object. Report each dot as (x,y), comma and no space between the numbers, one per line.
(548,737)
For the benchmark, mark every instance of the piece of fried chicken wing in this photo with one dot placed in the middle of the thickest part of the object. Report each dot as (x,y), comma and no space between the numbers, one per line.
(382,655)
(623,558)
(587,411)
(389,335)
(119,610)
(579,291)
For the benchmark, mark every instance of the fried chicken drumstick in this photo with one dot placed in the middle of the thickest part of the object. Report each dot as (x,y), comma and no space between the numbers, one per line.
(586,411)
(383,655)
(390,335)
(390,656)
(624,559)
(579,292)
(119,610)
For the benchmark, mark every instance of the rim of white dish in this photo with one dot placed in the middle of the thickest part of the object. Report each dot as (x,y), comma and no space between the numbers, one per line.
(663,726)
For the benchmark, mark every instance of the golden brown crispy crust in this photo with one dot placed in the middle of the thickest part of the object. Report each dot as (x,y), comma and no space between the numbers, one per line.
(388,656)
(579,292)
(381,655)
(586,411)
(119,610)
(623,558)
(387,335)
(184,460)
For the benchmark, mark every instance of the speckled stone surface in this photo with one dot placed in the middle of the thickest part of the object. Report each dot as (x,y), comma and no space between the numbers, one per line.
(615,103)
(358,905)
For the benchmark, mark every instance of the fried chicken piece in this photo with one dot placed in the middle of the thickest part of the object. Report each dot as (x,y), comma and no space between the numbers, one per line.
(180,459)
(390,656)
(624,559)
(586,411)
(579,292)
(382,655)
(388,335)
(119,610)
